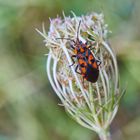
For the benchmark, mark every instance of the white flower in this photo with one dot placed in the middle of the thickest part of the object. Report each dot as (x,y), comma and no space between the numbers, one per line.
(95,105)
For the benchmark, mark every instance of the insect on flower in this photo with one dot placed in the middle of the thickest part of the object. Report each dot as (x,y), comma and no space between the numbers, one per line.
(88,65)
(96,106)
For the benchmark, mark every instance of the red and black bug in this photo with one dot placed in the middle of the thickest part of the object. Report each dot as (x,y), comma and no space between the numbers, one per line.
(88,65)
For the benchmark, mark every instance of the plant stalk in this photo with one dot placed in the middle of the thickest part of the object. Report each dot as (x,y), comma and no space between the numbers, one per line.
(104,135)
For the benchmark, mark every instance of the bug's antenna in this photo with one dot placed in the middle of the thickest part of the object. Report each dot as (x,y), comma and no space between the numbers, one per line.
(78,29)
(66,39)
(77,34)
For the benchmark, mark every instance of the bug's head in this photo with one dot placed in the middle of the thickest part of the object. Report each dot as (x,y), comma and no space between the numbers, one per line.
(80,42)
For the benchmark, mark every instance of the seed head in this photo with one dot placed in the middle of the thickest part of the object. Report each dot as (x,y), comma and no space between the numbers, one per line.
(93,105)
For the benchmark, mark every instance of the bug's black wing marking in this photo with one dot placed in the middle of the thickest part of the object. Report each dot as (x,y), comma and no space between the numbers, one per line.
(98,62)
(91,74)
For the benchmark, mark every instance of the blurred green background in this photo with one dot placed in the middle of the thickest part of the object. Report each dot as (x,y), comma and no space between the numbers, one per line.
(28,106)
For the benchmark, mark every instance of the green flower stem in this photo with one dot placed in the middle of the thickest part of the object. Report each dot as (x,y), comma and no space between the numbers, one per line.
(104,135)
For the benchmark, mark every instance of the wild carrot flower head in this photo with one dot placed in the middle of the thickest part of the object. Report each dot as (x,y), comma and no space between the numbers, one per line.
(93,105)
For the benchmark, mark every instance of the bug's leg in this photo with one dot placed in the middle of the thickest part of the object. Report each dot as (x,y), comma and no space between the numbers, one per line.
(98,62)
(73,62)
(76,70)
(72,46)
(86,42)
(90,47)
(83,82)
